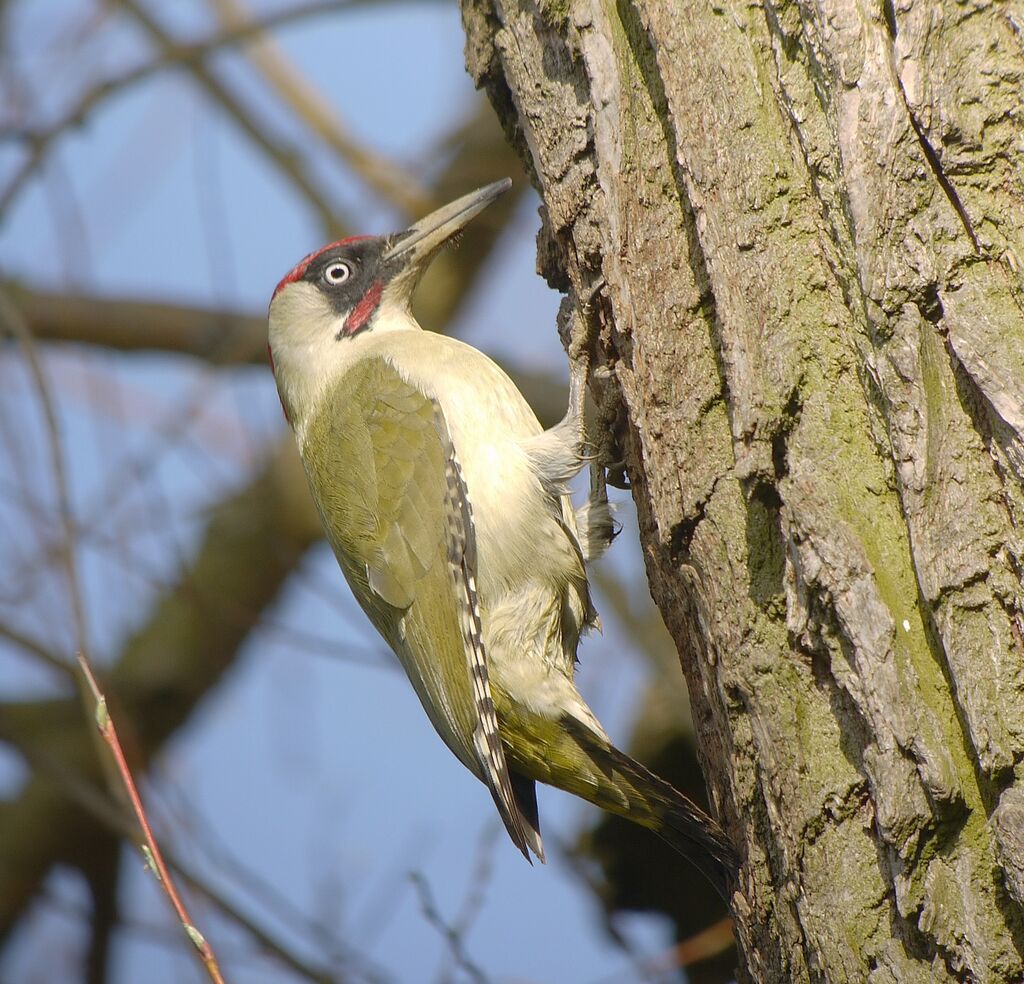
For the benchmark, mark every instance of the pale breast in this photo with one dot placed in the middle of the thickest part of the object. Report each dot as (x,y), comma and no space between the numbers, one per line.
(518,537)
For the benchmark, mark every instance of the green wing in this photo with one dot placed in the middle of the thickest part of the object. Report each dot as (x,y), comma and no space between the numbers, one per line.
(387,481)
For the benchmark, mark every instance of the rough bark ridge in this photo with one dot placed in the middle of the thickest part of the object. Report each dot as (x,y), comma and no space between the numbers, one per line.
(793,231)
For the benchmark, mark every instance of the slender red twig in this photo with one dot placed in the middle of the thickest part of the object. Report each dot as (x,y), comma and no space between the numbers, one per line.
(150,849)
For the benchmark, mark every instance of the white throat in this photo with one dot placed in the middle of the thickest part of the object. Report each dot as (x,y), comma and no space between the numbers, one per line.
(308,353)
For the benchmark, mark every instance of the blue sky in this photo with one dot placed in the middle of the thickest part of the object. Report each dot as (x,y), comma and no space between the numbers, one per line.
(320,775)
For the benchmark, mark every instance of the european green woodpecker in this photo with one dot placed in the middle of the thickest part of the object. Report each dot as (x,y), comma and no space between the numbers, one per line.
(446,504)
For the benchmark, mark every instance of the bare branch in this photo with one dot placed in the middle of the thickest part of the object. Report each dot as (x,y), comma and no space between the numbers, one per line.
(450,933)
(220,337)
(150,848)
(476,890)
(173,55)
(711,942)
(15,324)
(37,650)
(220,856)
(287,159)
(384,176)
(253,541)
(98,806)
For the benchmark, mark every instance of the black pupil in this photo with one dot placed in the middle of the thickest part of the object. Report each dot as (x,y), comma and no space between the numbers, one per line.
(337,272)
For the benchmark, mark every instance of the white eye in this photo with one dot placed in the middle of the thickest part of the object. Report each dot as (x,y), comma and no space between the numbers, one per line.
(337,272)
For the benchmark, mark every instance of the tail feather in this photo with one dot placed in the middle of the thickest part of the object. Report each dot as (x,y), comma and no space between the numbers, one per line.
(678,821)
(570,755)
(658,805)
(525,792)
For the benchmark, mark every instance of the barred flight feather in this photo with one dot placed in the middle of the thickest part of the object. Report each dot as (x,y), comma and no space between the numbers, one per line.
(462,563)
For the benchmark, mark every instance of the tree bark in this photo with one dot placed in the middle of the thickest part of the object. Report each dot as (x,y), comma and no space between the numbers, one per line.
(792,233)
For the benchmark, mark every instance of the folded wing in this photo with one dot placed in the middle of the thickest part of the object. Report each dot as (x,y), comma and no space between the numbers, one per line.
(386,477)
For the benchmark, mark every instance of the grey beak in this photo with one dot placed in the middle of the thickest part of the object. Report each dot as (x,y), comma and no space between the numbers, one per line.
(421,240)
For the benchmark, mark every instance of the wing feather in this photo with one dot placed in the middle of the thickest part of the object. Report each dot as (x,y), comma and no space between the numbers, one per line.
(385,474)
(462,563)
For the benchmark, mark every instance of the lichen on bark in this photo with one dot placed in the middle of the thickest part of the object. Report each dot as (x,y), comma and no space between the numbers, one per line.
(792,232)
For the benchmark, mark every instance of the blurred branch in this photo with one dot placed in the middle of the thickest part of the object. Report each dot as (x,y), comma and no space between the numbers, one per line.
(174,55)
(101,867)
(473,903)
(103,876)
(718,938)
(98,806)
(227,338)
(253,541)
(219,855)
(287,159)
(150,849)
(714,941)
(37,650)
(451,934)
(13,322)
(392,182)
(217,336)
(479,155)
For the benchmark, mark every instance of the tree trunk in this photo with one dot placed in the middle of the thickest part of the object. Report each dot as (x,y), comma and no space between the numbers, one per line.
(792,231)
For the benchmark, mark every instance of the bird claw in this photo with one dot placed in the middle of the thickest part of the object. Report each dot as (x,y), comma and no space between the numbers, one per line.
(615,475)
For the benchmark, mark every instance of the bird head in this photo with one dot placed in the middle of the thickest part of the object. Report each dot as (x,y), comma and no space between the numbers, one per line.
(332,300)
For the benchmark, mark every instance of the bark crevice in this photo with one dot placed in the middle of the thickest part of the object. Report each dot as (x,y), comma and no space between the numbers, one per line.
(825,525)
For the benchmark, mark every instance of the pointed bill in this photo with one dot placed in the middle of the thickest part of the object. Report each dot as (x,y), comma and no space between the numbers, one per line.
(421,240)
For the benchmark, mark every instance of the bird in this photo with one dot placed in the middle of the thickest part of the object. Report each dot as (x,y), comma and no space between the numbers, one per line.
(446,505)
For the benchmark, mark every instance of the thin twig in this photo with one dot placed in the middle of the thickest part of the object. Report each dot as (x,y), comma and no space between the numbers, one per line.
(483,870)
(100,806)
(476,891)
(287,159)
(150,848)
(219,856)
(120,484)
(450,933)
(387,178)
(37,649)
(11,318)
(173,55)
